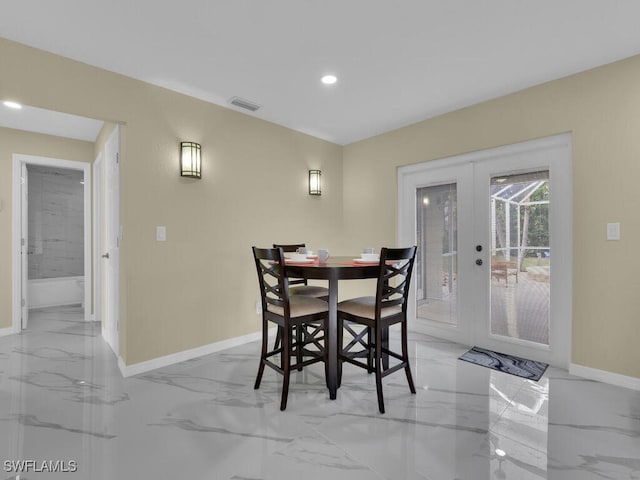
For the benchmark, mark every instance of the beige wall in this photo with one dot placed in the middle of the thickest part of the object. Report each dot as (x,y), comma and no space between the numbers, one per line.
(16,141)
(601,108)
(199,286)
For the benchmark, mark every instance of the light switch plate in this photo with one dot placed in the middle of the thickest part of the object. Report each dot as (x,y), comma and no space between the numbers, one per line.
(161,233)
(613,231)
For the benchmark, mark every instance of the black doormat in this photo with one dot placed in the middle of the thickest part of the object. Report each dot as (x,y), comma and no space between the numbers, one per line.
(502,362)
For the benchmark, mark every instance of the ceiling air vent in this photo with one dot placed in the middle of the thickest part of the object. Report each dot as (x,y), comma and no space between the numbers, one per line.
(242,103)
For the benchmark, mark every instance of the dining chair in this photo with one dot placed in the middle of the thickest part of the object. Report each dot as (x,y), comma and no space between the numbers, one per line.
(377,313)
(299,286)
(287,311)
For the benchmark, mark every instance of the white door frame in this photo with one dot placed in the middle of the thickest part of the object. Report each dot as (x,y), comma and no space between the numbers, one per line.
(19,207)
(24,246)
(561,223)
(98,222)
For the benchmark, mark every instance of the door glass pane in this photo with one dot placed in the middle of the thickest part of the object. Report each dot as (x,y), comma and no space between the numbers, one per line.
(520,256)
(436,265)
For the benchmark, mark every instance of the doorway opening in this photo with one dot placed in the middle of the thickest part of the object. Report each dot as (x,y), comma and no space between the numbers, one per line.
(52,235)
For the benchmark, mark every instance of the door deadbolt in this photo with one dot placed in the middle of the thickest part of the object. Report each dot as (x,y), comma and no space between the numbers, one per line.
(478,248)
(479,261)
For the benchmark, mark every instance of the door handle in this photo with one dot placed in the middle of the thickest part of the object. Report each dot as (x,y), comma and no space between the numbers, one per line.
(479,261)
(106,255)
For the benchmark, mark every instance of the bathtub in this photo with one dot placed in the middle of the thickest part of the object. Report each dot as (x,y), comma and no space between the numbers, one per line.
(51,292)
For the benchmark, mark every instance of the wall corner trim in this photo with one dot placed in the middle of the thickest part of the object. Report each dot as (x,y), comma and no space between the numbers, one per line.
(142,367)
(604,376)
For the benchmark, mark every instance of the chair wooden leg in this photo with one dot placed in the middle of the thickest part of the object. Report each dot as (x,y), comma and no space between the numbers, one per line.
(286,364)
(325,349)
(405,358)
(276,343)
(370,351)
(378,368)
(385,344)
(339,341)
(263,355)
(278,339)
(324,352)
(259,377)
(299,341)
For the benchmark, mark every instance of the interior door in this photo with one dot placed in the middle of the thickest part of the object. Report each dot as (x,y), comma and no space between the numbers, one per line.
(111,255)
(488,225)
(24,243)
(98,222)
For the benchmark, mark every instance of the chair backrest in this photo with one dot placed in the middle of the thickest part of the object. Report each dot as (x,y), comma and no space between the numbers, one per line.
(292,247)
(289,248)
(274,285)
(394,279)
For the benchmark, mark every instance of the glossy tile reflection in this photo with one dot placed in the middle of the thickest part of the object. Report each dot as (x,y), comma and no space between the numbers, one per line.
(62,398)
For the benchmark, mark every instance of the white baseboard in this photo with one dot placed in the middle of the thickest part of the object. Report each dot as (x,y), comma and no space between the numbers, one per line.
(7,331)
(138,368)
(606,377)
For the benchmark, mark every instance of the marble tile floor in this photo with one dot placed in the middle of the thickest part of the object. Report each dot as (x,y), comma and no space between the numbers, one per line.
(62,399)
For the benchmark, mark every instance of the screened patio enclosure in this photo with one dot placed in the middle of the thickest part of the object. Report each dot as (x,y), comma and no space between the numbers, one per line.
(520,257)
(520,218)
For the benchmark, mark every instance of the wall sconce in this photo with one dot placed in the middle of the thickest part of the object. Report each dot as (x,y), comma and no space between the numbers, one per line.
(190,163)
(315,185)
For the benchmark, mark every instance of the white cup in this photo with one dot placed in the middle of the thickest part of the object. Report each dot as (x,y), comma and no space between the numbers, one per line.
(370,257)
(323,255)
(298,256)
(367,250)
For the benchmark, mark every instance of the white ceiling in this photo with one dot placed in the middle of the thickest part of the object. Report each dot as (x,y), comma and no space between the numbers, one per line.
(397,62)
(59,124)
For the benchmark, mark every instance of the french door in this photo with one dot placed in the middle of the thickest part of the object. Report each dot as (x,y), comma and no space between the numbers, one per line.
(489,227)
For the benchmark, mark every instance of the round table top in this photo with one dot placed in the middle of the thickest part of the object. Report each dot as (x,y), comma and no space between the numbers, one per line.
(337,267)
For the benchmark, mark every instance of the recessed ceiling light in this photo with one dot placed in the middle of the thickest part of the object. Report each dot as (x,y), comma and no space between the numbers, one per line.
(329,79)
(14,105)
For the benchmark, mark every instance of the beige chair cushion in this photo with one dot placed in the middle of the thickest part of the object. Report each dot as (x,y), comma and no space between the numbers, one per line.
(309,291)
(365,307)
(301,305)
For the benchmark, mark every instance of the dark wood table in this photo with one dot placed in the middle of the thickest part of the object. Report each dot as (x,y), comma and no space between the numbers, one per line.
(336,268)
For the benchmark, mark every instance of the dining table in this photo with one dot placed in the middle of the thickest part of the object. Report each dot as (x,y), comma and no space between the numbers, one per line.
(333,270)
